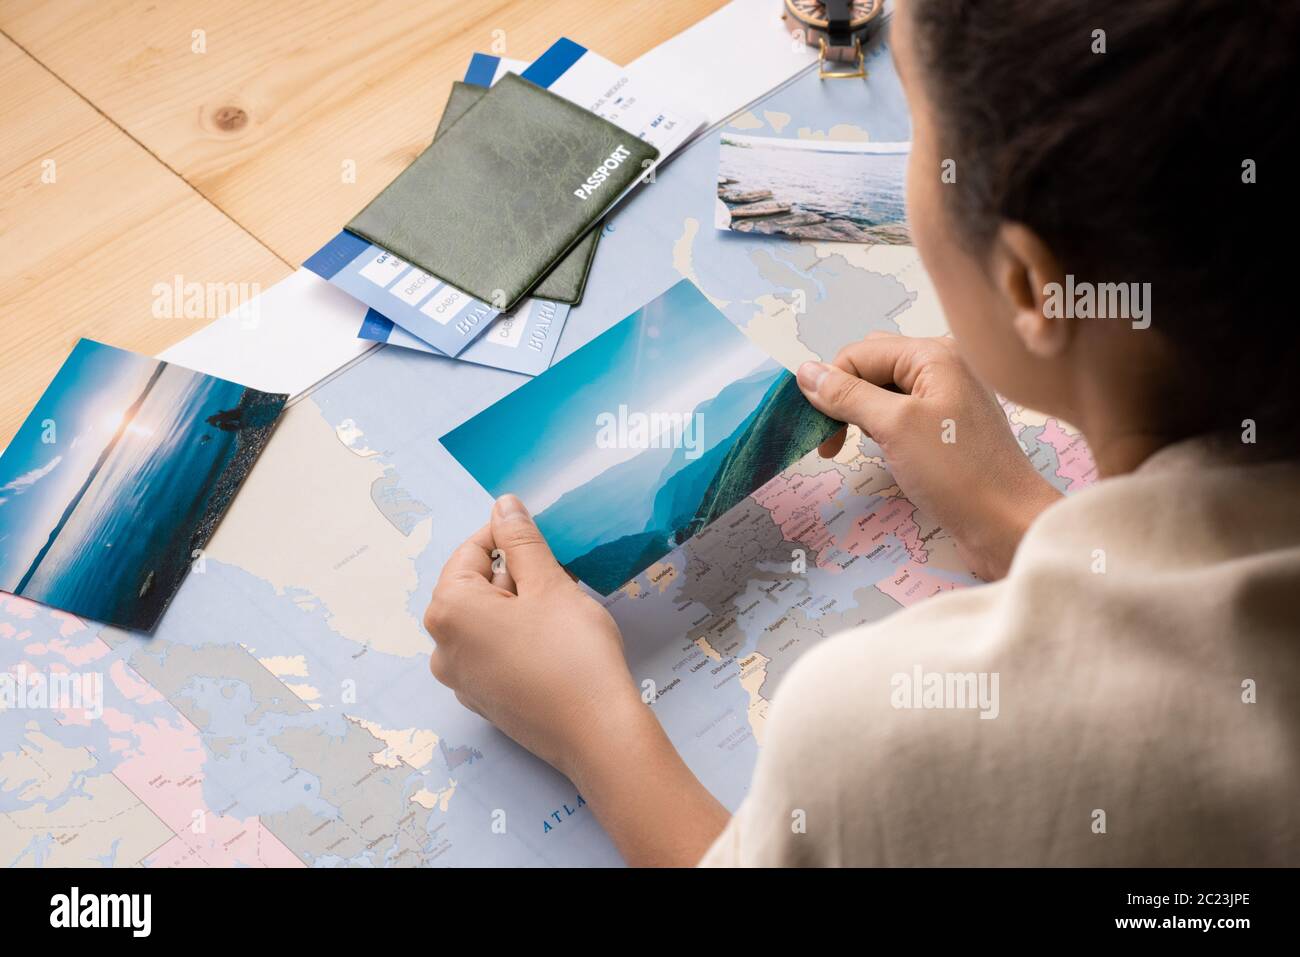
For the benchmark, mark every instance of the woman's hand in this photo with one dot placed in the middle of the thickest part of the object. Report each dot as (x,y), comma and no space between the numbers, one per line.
(520,643)
(944,436)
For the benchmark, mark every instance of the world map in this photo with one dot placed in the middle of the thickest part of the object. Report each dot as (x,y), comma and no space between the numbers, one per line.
(283,714)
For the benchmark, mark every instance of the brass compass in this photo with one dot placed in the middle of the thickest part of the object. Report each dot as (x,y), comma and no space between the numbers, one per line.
(837,28)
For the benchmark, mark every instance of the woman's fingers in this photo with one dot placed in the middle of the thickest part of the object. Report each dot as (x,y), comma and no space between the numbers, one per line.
(889,360)
(501,576)
(528,559)
(472,557)
(831,447)
(845,397)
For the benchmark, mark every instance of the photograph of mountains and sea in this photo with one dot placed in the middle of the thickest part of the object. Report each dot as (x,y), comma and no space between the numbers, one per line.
(643,437)
(118,478)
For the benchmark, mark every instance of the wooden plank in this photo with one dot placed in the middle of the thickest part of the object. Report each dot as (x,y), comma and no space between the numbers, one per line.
(81,255)
(265,121)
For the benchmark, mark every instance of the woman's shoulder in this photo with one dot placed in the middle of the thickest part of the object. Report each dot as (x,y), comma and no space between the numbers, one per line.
(1198,501)
(1122,637)
(1162,560)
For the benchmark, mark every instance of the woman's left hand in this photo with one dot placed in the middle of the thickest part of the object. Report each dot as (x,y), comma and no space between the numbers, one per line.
(526,648)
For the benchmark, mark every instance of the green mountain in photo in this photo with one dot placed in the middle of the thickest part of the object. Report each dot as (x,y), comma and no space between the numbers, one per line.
(608,566)
(642,492)
(782,428)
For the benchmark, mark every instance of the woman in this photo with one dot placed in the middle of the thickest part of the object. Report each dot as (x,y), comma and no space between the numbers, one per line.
(1144,634)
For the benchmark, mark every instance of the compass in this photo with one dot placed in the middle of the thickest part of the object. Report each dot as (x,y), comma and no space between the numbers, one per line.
(837,28)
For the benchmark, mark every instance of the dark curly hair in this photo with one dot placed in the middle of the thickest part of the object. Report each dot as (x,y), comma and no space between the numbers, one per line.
(1130,165)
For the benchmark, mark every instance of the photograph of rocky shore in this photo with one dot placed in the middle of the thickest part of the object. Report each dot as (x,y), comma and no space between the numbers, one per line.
(835,191)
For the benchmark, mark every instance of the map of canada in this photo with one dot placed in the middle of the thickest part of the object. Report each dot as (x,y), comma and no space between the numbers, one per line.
(283,714)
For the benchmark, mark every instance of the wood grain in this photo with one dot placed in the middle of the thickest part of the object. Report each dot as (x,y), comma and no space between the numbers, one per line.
(286,93)
(223,166)
(80,256)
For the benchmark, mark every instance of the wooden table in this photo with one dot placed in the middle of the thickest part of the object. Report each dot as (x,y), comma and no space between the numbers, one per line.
(222,142)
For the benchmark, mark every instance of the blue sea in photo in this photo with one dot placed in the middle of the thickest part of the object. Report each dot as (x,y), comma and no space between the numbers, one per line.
(865,188)
(120,473)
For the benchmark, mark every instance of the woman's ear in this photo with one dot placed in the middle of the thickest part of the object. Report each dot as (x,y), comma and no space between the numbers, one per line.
(1025,271)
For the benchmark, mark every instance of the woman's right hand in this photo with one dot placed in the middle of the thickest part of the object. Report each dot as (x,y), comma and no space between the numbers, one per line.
(944,436)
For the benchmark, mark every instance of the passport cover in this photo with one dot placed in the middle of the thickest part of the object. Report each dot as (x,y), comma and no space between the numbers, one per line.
(499,199)
(566,282)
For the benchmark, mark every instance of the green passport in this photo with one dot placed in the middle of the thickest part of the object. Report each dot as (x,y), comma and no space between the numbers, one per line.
(566,282)
(503,195)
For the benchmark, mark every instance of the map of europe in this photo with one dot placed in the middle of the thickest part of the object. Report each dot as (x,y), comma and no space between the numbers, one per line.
(283,714)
